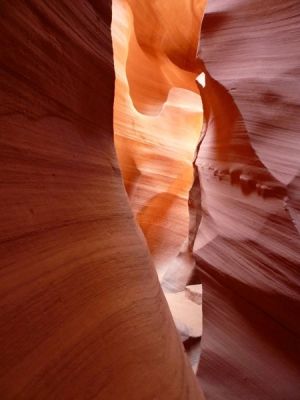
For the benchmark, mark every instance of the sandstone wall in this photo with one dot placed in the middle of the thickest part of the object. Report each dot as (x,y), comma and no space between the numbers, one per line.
(248,245)
(157,120)
(81,310)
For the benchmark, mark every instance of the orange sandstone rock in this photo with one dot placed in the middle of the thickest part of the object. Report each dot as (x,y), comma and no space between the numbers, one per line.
(157,120)
(82,314)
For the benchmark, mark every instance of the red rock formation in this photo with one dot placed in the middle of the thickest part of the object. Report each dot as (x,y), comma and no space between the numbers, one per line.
(81,311)
(248,245)
(158,116)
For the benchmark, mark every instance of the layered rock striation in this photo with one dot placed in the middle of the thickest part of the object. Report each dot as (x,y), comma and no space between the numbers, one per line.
(82,314)
(247,245)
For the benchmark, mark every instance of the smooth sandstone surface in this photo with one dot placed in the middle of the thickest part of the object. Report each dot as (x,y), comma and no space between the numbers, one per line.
(186,313)
(247,245)
(157,120)
(82,315)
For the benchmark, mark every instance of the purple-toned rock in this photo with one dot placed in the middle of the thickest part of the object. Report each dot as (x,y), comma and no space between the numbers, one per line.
(248,246)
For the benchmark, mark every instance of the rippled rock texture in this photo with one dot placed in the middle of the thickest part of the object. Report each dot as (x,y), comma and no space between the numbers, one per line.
(82,315)
(248,245)
(157,120)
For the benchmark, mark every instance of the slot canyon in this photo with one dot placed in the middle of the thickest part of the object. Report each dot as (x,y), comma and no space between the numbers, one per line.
(150,200)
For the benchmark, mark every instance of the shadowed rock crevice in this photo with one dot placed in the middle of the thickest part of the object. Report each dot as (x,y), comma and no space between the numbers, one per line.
(157,119)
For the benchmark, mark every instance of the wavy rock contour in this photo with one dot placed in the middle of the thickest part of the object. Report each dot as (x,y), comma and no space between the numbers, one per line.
(247,244)
(82,314)
(158,116)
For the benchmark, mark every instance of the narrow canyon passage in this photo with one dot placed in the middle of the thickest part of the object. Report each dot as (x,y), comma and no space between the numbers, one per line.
(156,140)
(239,194)
(147,147)
(157,123)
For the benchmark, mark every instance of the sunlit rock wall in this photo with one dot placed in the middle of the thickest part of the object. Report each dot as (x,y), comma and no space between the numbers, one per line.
(157,120)
(248,244)
(81,311)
